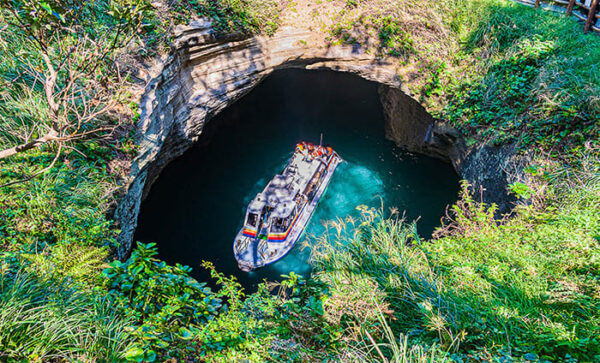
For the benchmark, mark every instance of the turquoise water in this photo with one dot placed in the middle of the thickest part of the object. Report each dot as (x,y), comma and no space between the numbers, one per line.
(197,206)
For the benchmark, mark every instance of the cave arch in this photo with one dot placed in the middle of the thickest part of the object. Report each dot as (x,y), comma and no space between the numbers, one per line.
(206,72)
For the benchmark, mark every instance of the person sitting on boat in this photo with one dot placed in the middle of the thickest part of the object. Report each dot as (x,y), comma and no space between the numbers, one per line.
(304,152)
(318,151)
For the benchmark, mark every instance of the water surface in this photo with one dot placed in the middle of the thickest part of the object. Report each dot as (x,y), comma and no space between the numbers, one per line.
(197,206)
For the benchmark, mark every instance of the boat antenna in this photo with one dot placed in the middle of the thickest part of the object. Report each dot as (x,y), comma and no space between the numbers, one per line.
(321,141)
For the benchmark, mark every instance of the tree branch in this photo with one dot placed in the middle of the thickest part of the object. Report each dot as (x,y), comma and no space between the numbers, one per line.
(37,173)
(50,136)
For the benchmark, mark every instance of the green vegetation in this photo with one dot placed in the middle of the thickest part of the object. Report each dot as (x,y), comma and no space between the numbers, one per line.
(525,287)
(233,16)
(539,84)
(498,71)
(67,113)
(254,16)
(50,319)
(163,301)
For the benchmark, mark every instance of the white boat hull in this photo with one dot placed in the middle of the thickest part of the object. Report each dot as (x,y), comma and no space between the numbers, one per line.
(259,252)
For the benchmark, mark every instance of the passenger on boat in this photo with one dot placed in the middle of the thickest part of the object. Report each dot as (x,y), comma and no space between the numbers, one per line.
(304,153)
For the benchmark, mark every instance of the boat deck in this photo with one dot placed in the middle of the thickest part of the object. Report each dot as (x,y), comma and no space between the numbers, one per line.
(258,251)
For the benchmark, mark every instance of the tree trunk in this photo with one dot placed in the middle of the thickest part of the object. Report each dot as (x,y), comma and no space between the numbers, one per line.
(570,7)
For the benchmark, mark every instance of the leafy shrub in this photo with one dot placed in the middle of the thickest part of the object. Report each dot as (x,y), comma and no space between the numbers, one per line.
(394,39)
(243,330)
(165,303)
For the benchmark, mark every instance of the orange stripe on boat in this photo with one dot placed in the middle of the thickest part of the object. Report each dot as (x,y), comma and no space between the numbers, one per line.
(249,233)
(283,236)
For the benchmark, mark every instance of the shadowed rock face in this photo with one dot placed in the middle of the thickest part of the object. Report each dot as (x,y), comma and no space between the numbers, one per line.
(410,126)
(206,72)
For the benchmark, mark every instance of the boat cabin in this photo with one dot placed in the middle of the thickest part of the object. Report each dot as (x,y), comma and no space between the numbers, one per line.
(272,210)
(277,216)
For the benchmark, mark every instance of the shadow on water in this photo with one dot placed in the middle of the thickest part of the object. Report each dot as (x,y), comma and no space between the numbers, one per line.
(196,207)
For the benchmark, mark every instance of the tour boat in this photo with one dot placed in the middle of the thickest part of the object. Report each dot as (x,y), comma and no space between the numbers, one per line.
(277,216)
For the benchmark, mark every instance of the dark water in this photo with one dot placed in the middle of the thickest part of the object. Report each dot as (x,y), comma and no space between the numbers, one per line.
(196,207)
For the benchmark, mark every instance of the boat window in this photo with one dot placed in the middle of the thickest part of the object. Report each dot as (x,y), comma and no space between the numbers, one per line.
(279,225)
(252,219)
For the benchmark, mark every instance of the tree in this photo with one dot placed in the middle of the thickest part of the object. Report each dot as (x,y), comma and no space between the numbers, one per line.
(67,61)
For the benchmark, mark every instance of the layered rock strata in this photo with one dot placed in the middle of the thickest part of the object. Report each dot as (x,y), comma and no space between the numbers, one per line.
(206,72)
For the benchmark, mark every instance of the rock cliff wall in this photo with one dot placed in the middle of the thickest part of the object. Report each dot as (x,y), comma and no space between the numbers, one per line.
(205,72)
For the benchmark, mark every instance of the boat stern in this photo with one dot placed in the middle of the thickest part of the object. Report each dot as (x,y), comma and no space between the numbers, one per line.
(243,249)
(245,266)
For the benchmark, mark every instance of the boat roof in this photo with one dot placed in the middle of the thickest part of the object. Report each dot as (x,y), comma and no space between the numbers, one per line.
(257,204)
(280,192)
(279,195)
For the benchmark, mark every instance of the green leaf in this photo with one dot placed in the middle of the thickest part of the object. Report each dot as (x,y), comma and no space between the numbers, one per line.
(185,333)
(51,11)
(150,356)
(135,354)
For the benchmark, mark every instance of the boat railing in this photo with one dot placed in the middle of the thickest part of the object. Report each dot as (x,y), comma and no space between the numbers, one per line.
(262,249)
(242,244)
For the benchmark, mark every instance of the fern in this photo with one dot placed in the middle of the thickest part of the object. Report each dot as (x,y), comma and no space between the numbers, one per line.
(82,264)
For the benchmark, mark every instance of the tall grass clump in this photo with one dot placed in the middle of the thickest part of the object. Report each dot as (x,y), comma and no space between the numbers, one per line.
(525,286)
(45,320)
(392,348)
(380,288)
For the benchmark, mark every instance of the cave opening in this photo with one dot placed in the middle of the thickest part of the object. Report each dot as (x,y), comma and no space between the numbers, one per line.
(197,205)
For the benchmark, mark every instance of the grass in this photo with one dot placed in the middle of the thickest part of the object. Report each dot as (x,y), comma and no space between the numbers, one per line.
(56,229)
(68,204)
(523,287)
(499,71)
(538,83)
(44,320)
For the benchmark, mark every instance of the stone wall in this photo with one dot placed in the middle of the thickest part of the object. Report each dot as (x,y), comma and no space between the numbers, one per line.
(490,170)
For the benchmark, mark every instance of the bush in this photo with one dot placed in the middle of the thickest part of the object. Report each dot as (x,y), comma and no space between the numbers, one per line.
(165,303)
(243,330)
(394,40)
